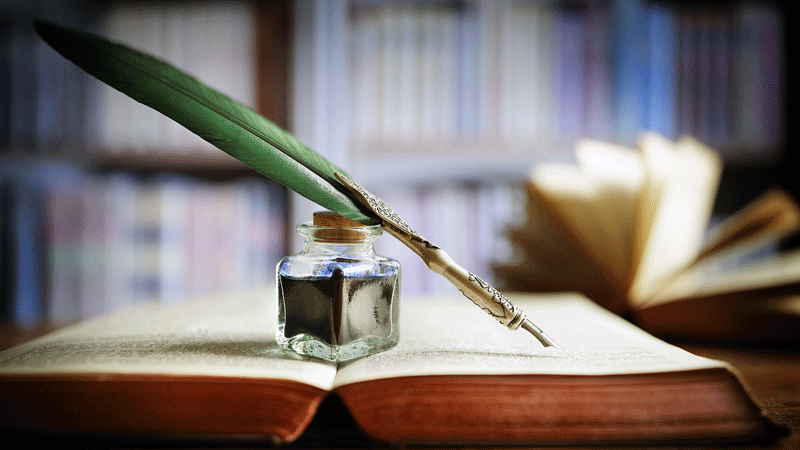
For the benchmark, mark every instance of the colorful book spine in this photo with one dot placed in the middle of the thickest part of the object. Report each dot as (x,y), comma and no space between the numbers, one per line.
(629,56)
(118,197)
(597,114)
(25,238)
(663,76)
(71,234)
(570,38)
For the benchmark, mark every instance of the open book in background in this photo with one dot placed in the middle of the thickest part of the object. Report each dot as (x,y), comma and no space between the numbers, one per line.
(629,228)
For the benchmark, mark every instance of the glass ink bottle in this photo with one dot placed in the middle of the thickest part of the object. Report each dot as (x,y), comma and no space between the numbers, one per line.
(338,300)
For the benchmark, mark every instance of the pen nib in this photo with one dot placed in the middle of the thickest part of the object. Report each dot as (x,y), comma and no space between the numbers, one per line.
(546,340)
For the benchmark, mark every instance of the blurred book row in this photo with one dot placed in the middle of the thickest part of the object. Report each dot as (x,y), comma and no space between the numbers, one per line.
(547,73)
(467,220)
(543,73)
(75,244)
(440,80)
(213,41)
(58,109)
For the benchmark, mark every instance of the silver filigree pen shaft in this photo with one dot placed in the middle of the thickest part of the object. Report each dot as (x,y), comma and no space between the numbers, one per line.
(474,288)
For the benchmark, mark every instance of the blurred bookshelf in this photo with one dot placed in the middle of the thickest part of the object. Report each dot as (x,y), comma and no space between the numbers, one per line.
(439,107)
(537,75)
(106,202)
(442,108)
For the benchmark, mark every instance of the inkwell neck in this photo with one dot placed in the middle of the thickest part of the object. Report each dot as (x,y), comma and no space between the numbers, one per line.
(330,233)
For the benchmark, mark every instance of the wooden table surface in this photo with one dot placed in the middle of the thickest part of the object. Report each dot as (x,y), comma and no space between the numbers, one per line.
(772,376)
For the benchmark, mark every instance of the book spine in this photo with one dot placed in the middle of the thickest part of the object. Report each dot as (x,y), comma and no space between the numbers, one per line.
(174,264)
(390,73)
(571,29)
(173,49)
(225,231)
(23,122)
(6,262)
(629,22)
(759,104)
(597,112)
(66,218)
(213,42)
(119,198)
(489,71)
(408,95)
(366,81)
(429,106)
(521,81)
(145,276)
(144,32)
(719,66)
(239,23)
(214,61)
(26,247)
(6,73)
(447,75)
(113,116)
(194,38)
(62,88)
(51,99)
(91,238)
(339,72)
(414,275)
(244,245)
(687,80)
(205,240)
(663,80)
(277,238)
(469,73)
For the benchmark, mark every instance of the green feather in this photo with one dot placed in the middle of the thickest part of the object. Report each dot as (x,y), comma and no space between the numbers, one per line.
(225,123)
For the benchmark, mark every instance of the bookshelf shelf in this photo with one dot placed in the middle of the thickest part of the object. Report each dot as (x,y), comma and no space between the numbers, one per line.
(436,103)
(464,161)
(215,166)
(451,161)
(496,102)
(106,202)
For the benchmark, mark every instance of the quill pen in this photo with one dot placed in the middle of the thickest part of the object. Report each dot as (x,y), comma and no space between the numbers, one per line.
(265,147)
(218,119)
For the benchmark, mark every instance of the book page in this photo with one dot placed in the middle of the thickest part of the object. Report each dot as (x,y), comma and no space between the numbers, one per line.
(574,196)
(675,209)
(596,201)
(453,337)
(711,277)
(547,258)
(618,174)
(766,220)
(223,336)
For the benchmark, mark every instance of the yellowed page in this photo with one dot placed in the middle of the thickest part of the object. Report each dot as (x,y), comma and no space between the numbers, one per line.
(596,200)
(767,219)
(706,279)
(674,211)
(450,336)
(618,174)
(228,336)
(789,304)
(573,196)
(547,257)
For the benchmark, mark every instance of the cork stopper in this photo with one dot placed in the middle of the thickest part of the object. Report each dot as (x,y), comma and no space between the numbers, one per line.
(331,219)
(339,229)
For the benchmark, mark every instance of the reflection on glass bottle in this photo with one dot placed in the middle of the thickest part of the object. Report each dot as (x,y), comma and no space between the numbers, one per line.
(337,300)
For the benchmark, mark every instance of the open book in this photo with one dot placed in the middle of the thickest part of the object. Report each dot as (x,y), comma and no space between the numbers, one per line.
(212,368)
(629,228)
